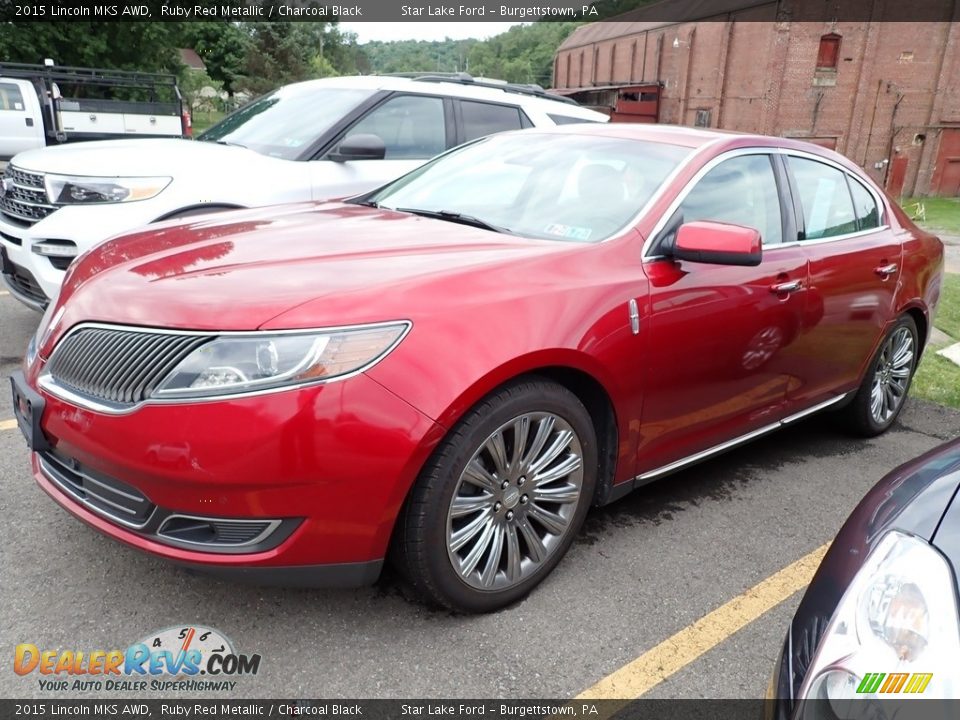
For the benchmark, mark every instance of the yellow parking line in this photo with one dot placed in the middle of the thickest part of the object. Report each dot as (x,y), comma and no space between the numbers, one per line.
(8,424)
(676,652)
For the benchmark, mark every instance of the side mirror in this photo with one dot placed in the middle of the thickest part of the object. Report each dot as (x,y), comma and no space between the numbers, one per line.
(360,147)
(718,243)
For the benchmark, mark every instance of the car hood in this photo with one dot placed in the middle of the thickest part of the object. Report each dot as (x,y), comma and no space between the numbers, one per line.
(238,270)
(136,158)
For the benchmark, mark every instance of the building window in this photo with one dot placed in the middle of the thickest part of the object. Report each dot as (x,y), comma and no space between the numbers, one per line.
(829,52)
(702,119)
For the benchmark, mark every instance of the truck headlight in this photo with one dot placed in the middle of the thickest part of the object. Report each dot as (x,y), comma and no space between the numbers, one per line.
(251,362)
(893,636)
(77,190)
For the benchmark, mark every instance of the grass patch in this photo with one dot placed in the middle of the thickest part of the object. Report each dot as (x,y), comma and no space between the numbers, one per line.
(203,120)
(948,312)
(940,213)
(938,379)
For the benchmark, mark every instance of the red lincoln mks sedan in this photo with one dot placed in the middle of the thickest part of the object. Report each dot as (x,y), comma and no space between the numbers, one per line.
(450,370)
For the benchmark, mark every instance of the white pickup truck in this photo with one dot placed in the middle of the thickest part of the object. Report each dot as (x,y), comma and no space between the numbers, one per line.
(44,105)
(309,141)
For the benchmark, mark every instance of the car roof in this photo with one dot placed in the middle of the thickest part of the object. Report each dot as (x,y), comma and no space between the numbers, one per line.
(696,138)
(655,132)
(451,87)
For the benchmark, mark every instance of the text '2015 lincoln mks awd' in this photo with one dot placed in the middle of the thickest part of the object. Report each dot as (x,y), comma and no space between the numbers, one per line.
(450,370)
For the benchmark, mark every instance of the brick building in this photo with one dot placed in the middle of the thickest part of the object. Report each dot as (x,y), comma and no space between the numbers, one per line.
(886,94)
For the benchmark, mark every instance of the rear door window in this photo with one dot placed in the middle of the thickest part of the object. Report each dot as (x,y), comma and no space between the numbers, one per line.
(864,205)
(481,119)
(827,207)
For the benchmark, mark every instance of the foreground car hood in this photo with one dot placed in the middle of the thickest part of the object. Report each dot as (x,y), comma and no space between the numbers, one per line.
(136,158)
(238,270)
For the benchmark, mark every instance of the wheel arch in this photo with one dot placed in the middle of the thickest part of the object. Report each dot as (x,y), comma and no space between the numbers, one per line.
(571,370)
(919,316)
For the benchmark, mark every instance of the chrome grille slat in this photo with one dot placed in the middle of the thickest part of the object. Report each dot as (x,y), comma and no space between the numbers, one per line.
(86,347)
(105,496)
(111,365)
(168,362)
(136,355)
(142,385)
(25,201)
(25,177)
(119,366)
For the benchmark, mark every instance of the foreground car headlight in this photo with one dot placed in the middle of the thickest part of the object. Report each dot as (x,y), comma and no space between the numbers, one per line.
(261,361)
(78,190)
(48,322)
(894,636)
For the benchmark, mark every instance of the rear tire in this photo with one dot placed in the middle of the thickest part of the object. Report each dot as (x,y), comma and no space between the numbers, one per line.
(885,385)
(501,499)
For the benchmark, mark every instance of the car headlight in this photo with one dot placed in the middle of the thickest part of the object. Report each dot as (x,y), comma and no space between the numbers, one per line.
(77,190)
(894,636)
(48,321)
(235,364)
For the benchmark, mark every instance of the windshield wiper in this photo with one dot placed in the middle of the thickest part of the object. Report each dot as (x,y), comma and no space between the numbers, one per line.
(456,217)
(231,144)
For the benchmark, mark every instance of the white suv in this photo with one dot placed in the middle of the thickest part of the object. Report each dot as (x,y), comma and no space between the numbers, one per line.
(309,141)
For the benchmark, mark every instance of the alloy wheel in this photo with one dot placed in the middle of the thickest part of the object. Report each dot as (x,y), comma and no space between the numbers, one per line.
(515,501)
(891,377)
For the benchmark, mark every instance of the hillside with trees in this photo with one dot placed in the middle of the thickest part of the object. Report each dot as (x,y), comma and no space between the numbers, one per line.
(522,54)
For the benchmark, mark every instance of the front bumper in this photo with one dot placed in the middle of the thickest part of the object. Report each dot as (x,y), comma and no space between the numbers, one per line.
(39,277)
(333,463)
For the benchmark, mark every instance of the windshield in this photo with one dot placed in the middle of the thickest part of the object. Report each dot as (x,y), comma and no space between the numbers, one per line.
(576,188)
(286,122)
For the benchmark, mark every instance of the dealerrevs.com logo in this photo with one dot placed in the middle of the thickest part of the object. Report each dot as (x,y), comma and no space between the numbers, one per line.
(189,658)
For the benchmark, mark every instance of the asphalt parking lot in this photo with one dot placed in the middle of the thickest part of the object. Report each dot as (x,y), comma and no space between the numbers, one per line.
(641,571)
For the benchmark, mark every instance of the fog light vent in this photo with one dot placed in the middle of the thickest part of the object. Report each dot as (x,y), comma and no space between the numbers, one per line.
(216,532)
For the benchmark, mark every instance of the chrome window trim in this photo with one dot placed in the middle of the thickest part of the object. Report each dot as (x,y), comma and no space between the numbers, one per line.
(849,176)
(662,190)
(271,526)
(831,239)
(46,381)
(688,188)
(758,150)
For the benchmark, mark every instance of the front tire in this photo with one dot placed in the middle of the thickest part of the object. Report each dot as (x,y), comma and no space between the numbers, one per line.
(500,501)
(883,391)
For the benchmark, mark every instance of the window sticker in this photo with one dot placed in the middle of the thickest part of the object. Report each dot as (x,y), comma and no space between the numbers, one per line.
(568,231)
(822,202)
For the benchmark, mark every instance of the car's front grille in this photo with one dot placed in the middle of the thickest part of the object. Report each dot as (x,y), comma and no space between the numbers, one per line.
(118,366)
(104,495)
(24,198)
(24,283)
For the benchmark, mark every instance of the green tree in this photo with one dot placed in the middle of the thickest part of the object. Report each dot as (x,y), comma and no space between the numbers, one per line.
(280,53)
(146,46)
(223,48)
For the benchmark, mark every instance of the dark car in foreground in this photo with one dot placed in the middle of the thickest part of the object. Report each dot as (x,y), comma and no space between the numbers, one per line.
(878,627)
(456,366)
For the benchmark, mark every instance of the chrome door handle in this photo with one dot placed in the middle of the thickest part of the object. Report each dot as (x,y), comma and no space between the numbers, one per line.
(787,287)
(886,271)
